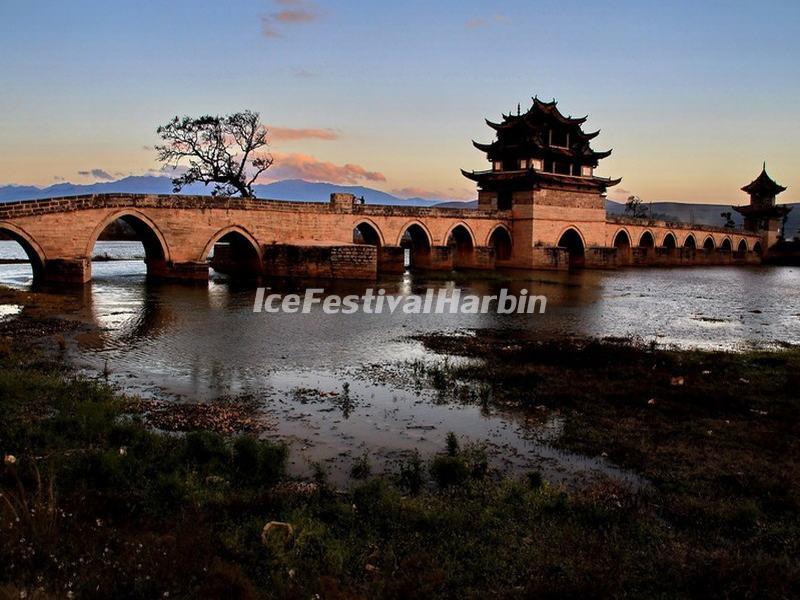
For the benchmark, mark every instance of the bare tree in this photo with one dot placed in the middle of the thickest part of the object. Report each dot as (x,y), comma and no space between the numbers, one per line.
(729,222)
(635,208)
(219,150)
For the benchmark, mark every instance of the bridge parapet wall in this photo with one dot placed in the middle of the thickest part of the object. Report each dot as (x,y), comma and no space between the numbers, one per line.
(659,224)
(342,203)
(26,208)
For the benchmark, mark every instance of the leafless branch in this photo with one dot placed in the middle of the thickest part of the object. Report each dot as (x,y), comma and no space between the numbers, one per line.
(216,150)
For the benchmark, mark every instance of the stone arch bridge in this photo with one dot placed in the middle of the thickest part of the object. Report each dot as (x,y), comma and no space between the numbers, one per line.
(338,239)
(344,238)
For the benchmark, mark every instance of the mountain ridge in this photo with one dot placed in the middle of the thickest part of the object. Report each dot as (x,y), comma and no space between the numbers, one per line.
(286,189)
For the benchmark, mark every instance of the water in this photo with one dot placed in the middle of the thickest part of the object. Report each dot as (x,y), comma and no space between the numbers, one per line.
(198,343)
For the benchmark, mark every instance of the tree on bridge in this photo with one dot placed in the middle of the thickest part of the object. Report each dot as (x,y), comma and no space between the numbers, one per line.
(219,150)
(635,208)
(729,222)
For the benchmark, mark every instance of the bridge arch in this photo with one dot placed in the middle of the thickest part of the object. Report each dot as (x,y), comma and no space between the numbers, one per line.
(156,250)
(622,242)
(669,241)
(757,248)
(31,248)
(458,229)
(621,238)
(727,245)
(572,239)
(461,241)
(741,249)
(647,239)
(236,252)
(369,233)
(500,239)
(709,243)
(690,242)
(416,227)
(416,238)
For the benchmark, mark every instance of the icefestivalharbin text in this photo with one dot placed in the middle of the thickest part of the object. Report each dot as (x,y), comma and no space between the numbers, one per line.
(372,301)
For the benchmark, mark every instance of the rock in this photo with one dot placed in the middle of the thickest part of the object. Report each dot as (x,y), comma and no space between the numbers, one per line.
(678,380)
(651,402)
(277,528)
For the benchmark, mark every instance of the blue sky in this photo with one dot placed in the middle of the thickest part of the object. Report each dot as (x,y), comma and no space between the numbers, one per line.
(692,96)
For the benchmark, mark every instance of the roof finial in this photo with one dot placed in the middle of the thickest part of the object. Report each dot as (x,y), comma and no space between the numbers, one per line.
(519,109)
(764,168)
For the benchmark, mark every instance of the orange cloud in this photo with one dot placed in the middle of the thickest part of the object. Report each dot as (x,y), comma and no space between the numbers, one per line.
(289,134)
(480,22)
(304,166)
(295,16)
(297,12)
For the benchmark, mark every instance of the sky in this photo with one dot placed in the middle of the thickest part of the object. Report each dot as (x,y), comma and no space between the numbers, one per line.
(692,96)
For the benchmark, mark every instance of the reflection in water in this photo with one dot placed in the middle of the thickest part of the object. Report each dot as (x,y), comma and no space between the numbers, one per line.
(197,343)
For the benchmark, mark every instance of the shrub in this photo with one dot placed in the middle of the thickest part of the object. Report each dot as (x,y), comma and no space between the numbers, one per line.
(452,444)
(535,480)
(245,455)
(448,470)
(259,461)
(204,447)
(477,460)
(272,459)
(361,468)
(412,475)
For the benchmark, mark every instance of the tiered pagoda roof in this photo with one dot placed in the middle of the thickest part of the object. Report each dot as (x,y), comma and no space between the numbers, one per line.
(763,186)
(762,190)
(541,145)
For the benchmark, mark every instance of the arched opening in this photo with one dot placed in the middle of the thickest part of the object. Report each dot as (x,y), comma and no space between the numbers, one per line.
(622,242)
(709,244)
(500,240)
(122,245)
(236,256)
(741,249)
(690,242)
(417,246)
(647,240)
(20,262)
(365,233)
(669,242)
(757,248)
(571,240)
(461,246)
(726,246)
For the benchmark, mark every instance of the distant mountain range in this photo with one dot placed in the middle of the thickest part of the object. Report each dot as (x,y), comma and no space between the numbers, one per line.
(308,191)
(289,189)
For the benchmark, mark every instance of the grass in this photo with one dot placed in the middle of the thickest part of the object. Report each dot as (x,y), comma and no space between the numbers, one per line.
(97,504)
(715,434)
